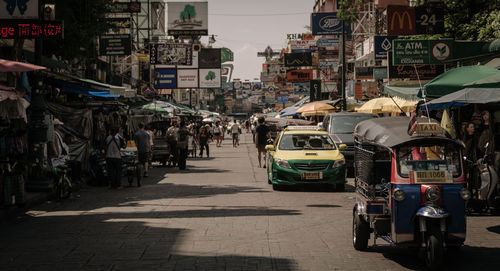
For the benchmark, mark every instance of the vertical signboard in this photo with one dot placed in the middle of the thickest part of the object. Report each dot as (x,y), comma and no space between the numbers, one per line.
(315,90)
(383,44)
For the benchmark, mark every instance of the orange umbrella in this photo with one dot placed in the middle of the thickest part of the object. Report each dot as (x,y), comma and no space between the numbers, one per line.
(315,108)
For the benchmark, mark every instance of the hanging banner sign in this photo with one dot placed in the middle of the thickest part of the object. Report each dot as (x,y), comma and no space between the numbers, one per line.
(425,72)
(31,29)
(187,78)
(210,78)
(383,44)
(328,43)
(209,58)
(11,9)
(408,52)
(114,45)
(121,7)
(327,23)
(297,76)
(324,53)
(298,59)
(187,18)
(171,54)
(328,64)
(165,78)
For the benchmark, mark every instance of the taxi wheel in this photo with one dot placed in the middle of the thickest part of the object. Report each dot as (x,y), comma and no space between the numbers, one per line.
(269,174)
(276,187)
(360,232)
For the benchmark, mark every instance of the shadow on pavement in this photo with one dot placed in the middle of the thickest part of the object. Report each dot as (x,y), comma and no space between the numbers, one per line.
(323,206)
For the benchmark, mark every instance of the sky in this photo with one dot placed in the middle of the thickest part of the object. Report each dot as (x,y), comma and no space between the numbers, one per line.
(247,35)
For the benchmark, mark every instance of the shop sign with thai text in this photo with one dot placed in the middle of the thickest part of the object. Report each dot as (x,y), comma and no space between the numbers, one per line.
(31,29)
(409,52)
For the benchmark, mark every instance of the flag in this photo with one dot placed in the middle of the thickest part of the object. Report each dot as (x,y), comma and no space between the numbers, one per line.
(447,124)
(412,126)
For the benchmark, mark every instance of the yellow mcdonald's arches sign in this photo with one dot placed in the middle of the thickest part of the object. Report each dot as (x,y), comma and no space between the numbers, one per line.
(401,20)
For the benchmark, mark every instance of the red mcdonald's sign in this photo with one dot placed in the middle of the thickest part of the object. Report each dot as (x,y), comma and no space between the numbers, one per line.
(401,20)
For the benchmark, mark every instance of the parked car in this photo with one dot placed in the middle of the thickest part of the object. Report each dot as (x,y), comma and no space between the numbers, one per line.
(305,155)
(341,126)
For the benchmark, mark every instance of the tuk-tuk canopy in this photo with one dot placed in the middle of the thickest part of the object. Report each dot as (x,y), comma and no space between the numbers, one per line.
(393,131)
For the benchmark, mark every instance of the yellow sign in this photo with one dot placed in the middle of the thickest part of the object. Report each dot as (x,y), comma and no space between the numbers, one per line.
(428,129)
(401,20)
(432,177)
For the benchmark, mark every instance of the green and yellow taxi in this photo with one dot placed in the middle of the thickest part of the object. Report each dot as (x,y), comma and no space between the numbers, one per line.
(305,155)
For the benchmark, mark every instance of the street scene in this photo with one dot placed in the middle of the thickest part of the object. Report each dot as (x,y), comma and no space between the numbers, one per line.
(249,135)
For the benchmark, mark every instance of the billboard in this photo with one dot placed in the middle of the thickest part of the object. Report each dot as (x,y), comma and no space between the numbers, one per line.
(122,7)
(400,20)
(210,78)
(187,18)
(209,58)
(298,59)
(302,44)
(165,78)
(171,54)
(422,20)
(114,45)
(328,43)
(19,9)
(31,29)
(327,23)
(297,76)
(407,52)
(187,78)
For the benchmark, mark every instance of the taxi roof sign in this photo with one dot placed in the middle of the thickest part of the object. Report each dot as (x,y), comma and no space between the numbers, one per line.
(303,128)
(428,128)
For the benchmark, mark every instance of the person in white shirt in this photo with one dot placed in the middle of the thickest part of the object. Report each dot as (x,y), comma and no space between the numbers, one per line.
(235,131)
(218,132)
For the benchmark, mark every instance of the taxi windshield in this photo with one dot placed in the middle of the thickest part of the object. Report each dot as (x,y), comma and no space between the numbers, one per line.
(306,142)
(443,157)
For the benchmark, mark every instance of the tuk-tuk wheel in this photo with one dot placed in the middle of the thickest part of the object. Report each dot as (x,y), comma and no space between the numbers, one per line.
(360,232)
(276,187)
(434,253)
(340,187)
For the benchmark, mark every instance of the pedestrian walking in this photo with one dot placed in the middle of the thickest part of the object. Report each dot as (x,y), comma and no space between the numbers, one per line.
(261,138)
(218,132)
(235,131)
(254,127)
(172,133)
(182,145)
(203,139)
(113,158)
(143,148)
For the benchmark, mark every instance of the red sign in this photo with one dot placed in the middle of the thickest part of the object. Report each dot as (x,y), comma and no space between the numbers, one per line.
(31,29)
(358,91)
(297,76)
(401,20)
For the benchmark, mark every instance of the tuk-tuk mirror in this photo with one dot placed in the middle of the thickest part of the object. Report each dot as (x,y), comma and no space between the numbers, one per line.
(342,147)
(269,147)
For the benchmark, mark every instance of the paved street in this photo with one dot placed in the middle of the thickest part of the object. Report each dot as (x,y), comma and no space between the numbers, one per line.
(219,215)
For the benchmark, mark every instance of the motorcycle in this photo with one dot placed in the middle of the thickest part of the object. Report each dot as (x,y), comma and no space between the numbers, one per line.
(98,172)
(484,186)
(131,168)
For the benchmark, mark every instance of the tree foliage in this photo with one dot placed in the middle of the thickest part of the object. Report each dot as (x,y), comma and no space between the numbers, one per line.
(83,23)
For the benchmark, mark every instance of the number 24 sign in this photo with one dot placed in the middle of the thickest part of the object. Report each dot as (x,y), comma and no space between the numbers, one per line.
(429,20)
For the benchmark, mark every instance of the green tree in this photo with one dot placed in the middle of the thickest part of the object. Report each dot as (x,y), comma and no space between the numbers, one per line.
(210,76)
(188,12)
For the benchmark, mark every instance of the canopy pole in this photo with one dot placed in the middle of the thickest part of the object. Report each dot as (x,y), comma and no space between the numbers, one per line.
(423,94)
(396,104)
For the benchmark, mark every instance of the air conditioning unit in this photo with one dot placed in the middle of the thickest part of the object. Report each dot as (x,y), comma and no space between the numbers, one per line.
(49,12)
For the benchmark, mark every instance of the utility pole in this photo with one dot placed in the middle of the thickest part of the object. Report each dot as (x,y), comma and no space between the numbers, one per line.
(344,69)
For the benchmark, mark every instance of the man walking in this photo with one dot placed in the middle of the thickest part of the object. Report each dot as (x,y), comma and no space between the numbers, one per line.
(143,147)
(172,134)
(261,137)
(113,159)
(182,145)
(235,131)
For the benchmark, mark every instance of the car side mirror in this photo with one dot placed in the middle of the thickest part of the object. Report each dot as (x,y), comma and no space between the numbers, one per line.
(342,147)
(269,147)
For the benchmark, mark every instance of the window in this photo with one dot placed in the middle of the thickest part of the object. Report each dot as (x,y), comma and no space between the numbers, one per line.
(437,157)
(306,142)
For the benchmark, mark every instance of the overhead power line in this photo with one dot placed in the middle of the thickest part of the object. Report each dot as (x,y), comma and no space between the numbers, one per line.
(259,15)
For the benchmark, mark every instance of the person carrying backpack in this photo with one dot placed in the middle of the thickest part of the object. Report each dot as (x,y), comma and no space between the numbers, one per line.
(113,158)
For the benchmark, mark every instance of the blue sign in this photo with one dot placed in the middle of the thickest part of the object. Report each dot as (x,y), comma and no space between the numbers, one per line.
(283,99)
(327,23)
(165,78)
(227,86)
(328,43)
(383,44)
(380,73)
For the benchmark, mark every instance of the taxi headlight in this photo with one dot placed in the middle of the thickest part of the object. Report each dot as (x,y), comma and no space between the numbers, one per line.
(465,194)
(282,163)
(398,194)
(339,163)
(433,193)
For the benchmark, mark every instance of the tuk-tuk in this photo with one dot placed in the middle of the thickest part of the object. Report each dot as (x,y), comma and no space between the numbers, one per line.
(410,187)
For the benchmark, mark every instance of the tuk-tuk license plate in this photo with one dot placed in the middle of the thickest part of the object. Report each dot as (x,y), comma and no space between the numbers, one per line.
(310,176)
(431,177)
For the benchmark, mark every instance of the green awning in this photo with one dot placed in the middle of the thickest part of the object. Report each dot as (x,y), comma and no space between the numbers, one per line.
(454,80)
(409,92)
